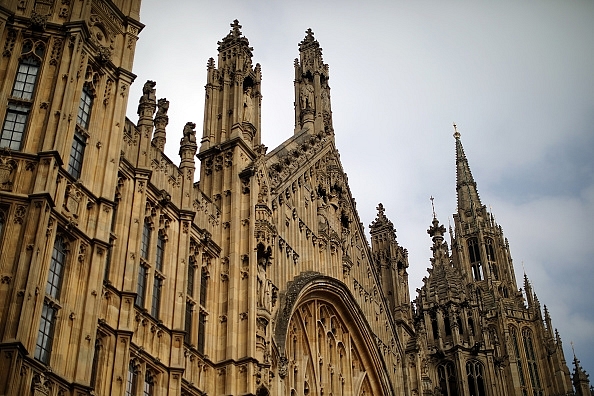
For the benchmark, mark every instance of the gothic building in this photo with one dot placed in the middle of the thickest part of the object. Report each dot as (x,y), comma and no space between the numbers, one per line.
(121,274)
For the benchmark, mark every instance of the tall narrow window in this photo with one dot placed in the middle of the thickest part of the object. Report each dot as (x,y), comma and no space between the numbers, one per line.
(491,258)
(531,359)
(56,271)
(476,381)
(471,326)
(84,108)
(79,142)
(2,221)
(475,259)
(148,384)
(203,286)
(77,154)
(21,97)
(516,345)
(141,285)
(447,325)
(145,240)
(188,322)
(191,274)
(201,328)
(95,366)
(446,375)
(156,302)
(160,252)
(131,380)
(45,337)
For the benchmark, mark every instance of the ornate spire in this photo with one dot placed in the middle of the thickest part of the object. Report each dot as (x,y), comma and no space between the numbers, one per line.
(581,380)
(312,92)
(468,197)
(235,38)
(381,222)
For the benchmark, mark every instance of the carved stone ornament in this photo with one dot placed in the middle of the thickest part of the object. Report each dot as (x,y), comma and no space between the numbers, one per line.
(7,167)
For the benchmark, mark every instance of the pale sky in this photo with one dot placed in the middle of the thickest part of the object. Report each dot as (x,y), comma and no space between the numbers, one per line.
(516,76)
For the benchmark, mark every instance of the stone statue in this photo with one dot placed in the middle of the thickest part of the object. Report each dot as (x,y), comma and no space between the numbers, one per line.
(189,134)
(149,92)
(325,101)
(162,107)
(307,96)
(248,105)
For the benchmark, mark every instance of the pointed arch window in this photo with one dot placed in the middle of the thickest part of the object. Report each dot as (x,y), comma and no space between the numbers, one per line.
(22,94)
(531,360)
(475,259)
(491,258)
(446,375)
(518,356)
(476,378)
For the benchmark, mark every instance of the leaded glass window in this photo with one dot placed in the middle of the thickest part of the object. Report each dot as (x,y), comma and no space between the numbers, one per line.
(24,83)
(56,271)
(156,301)
(45,336)
(77,154)
(15,122)
(84,108)
(141,285)
(476,378)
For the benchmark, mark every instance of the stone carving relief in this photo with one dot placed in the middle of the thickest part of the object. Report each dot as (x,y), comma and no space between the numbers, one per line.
(7,172)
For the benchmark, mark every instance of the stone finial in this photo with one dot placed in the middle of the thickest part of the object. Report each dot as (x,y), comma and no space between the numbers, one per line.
(161,120)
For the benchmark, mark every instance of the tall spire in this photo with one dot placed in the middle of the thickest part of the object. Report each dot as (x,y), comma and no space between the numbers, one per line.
(468,197)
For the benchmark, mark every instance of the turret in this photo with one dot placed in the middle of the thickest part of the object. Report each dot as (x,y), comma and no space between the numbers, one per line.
(581,380)
(391,261)
(233,98)
(312,92)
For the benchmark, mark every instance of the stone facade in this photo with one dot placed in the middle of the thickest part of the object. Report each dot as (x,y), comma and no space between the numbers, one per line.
(121,275)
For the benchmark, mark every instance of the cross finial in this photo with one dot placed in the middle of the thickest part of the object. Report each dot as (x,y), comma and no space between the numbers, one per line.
(572,348)
(380,208)
(236,26)
(309,32)
(432,206)
(456,133)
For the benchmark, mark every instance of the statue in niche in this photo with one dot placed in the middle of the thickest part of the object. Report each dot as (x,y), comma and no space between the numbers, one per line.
(248,105)
(307,96)
(325,101)
(264,285)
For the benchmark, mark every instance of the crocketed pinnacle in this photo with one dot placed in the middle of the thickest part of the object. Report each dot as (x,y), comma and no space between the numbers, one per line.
(468,197)
(381,222)
(235,38)
(444,282)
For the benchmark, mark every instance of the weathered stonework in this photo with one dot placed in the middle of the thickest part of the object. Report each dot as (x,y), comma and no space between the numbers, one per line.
(120,275)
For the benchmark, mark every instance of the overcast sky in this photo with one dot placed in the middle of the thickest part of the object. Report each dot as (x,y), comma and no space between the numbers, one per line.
(516,76)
